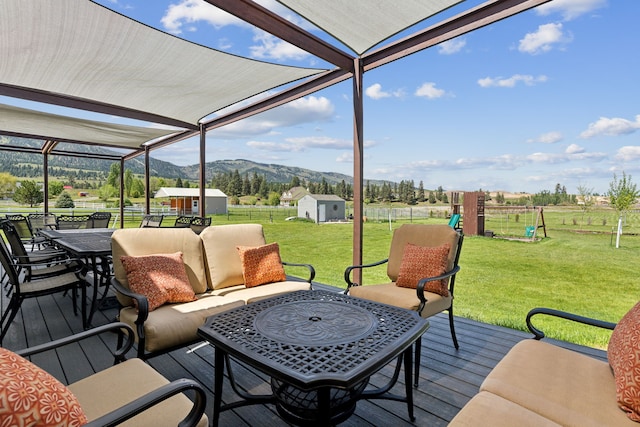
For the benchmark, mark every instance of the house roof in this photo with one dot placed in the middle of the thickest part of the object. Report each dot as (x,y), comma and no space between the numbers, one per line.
(187,192)
(325,197)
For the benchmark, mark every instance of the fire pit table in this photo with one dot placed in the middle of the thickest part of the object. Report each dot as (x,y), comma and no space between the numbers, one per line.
(319,348)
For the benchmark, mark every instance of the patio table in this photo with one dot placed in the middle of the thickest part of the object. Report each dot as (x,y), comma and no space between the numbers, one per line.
(92,246)
(319,348)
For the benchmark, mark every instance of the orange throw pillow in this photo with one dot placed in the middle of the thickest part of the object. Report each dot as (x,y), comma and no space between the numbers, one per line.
(419,262)
(261,265)
(624,357)
(31,396)
(162,278)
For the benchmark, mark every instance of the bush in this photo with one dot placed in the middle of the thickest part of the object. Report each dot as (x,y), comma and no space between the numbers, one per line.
(65,201)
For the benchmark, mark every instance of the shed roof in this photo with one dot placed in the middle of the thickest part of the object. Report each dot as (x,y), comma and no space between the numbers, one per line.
(325,197)
(187,192)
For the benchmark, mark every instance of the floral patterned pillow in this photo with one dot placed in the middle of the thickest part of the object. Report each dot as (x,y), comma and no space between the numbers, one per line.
(624,357)
(261,265)
(31,396)
(162,278)
(419,262)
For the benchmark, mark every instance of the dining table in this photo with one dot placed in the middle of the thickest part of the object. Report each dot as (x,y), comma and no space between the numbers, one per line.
(92,248)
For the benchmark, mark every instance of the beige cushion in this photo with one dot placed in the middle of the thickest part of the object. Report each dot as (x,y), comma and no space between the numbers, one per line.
(148,241)
(224,267)
(566,387)
(487,409)
(420,235)
(110,389)
(257,293)
(389,293)
(176,324)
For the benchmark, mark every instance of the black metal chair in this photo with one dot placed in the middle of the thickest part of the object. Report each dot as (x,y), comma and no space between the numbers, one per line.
(183,221)
(152,221)
(24,230)
(199,223)
(99,220)
(72,222)
(42,221)
(44,280)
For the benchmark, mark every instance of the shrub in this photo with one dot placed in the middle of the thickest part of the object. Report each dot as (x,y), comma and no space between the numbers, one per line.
(65,201)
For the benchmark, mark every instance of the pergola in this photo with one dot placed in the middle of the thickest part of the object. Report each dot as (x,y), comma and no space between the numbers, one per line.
(82,55)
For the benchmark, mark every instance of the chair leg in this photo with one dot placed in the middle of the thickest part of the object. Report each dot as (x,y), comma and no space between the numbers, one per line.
(9,315)
(416,362)
(453,330)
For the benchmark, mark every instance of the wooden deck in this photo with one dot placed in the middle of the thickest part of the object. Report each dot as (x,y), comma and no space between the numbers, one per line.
(449,378)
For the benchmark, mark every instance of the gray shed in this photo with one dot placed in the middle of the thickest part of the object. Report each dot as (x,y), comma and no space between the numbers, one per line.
(185,200)
(322,207)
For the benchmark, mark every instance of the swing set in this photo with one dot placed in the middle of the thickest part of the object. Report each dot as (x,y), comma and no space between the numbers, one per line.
(531,227)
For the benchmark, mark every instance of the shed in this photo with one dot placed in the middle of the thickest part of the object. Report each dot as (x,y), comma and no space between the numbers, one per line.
(186,200)
(322,207)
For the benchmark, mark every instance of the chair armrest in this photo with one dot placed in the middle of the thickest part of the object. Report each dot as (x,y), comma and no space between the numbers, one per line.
(538,334)
(424,281)
(154,398)
(348,270)
(312,271)
(119,354)
(141,300)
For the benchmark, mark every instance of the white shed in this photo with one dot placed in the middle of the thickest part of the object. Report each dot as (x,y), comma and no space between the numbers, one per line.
(186,200)
(322,207)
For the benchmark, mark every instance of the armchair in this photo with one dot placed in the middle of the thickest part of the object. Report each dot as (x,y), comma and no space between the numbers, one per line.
(428,294)
(130,392)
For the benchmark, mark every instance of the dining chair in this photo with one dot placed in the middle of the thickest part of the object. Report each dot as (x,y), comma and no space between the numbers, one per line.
(421,267)
(72,222)
(99,220)
(24,230)
(183,221)
(42,221)
(198,223)
(151,221)
(55,276)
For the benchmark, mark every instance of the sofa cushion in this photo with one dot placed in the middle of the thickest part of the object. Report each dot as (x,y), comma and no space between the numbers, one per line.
(261,265)
(389,293)
(249,295)
(419,262)
(421,235)
(147,241)
(113,387)
(624,357)
(177,324)
(224,267)
(491,410)
(161,278)
(32,396)
(564,386)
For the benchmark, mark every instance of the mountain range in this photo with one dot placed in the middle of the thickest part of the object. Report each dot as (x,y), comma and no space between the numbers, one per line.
(30,165)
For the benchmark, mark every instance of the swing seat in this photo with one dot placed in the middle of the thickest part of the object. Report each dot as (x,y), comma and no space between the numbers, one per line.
(528,231)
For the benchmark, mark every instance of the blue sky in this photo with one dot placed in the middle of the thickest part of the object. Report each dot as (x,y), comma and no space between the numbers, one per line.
(548,96)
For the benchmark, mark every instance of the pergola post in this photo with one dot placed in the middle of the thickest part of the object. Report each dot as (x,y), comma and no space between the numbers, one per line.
(45,175)
(202,177)
(358,145)
(147,181)
(122,192)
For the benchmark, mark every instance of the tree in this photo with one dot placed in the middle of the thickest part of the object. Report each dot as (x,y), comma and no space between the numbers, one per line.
(7,184)
(179,182)
(421,196)
(114,175)
(106,192)
(128,182)
(28,193)
(622,194)
(585,199)
(55,188)
(274,199)
(65,201)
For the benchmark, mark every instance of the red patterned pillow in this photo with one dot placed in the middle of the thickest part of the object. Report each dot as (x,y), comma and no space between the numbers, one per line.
(31,396)
(624,357)
(261,265)
(162,278)
(419,262)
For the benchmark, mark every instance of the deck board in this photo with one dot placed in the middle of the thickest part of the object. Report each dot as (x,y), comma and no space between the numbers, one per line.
(448,377)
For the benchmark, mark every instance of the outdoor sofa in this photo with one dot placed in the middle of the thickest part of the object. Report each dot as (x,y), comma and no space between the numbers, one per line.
(215,272)
(540,384)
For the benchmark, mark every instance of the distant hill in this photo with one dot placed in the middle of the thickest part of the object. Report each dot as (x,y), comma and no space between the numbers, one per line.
(27,165)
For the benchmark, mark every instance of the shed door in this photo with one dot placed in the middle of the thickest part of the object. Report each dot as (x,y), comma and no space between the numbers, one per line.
(322,213)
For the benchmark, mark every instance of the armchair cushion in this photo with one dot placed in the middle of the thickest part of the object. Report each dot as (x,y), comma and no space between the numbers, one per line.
(31,396)
(419,262)
(624,357)
(161,278)
(261,265)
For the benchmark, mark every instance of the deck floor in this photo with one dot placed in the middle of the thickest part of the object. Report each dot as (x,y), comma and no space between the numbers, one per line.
(448,379)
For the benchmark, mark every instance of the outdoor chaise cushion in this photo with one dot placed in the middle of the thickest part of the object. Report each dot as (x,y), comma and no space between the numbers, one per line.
(561,385)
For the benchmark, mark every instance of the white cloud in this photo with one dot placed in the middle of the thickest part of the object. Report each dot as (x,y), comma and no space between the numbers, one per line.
(570,9)
(548,138)
(270,47)
(543,40)
(273,146)
(611,127)
(345,157)
(429,90)
(511,81)
(452,46)
(628,153)
(574,149)
(375,92)
(191,11)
